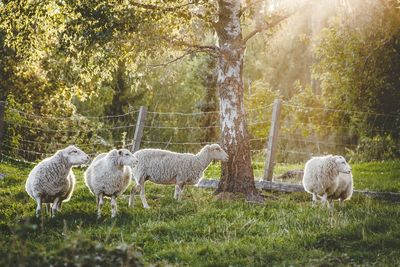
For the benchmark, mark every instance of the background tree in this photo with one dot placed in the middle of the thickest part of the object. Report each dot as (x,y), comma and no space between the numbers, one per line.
(81,59)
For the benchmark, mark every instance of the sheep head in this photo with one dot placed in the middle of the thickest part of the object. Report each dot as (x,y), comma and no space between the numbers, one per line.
(216,152)
(342,164)
(74,155)
(125,157)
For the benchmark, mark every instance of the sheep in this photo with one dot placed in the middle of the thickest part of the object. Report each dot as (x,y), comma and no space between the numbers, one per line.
(322,177)
(109,175)
(52,180)
(166,167)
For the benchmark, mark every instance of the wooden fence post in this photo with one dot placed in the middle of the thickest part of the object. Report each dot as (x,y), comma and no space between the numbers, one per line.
(2,128)
(272,141)
(137,139)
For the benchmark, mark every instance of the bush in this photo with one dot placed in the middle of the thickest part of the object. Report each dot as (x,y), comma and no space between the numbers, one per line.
(375,148)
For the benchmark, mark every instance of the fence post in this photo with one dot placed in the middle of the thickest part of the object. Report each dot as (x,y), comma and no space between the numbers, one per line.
(137,139)
(272,141)
(2,128)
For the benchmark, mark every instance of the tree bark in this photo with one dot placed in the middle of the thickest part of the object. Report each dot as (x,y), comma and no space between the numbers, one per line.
(210,103)
(2,127)
(120,87)
(237,173)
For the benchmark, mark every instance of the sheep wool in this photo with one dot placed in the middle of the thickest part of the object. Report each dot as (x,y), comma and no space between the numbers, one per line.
(52,180)
(167,167)
(109,175)
(321,176)
(344,190)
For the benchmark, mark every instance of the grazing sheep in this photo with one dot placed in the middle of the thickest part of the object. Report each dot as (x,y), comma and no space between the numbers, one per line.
(109,175)
(52,180)
(321,176)
(166,167)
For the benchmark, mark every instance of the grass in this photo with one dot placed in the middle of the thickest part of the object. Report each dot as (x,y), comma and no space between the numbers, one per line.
(201,231)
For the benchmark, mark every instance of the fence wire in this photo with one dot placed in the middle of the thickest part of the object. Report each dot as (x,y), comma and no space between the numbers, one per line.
(304,132)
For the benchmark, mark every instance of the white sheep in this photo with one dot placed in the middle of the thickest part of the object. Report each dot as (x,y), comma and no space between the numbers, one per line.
(321,177)
(166,167)
(109,175)
(52,180)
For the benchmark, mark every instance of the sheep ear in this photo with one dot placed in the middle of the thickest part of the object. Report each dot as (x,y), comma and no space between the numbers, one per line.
(64,152)
(339,159)
(119,152)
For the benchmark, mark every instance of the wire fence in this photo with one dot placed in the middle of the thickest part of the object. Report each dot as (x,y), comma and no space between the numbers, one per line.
(309,131)
(304,132)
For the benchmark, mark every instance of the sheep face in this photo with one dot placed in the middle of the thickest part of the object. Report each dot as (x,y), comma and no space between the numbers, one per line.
(125,157)
(217,153)
(342,164)
(75,156)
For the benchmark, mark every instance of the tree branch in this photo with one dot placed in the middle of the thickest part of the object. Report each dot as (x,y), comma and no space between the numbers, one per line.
(169,62)
(244,9)
(201,48)
(264,27)
(156,7)
(188,52)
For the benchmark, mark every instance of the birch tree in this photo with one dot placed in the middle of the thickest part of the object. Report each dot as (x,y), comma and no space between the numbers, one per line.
(237,174)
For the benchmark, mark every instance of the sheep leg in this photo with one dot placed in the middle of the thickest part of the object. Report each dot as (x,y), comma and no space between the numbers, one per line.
(59,205)
(330,204)
(99,204)
(38,207)
(47,208)
(54,207)
(178,192)
(143,197)
(314,199)
(132,197)
(113,206)
(324,199)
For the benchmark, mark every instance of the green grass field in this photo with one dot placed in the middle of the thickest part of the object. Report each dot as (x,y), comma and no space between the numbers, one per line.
(202,231)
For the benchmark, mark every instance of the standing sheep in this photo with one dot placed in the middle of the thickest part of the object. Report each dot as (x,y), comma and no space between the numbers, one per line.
(166,167)
(52,180)
(321,176)
(109,175)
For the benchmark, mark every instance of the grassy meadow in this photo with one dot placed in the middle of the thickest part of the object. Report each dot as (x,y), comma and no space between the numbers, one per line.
(201,231)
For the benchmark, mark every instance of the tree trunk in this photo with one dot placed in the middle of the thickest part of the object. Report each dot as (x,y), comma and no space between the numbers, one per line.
(237,173)
(209,104)
(2,127)
(120,87)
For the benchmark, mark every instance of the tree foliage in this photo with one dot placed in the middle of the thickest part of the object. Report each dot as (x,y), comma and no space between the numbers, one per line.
(85,58)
